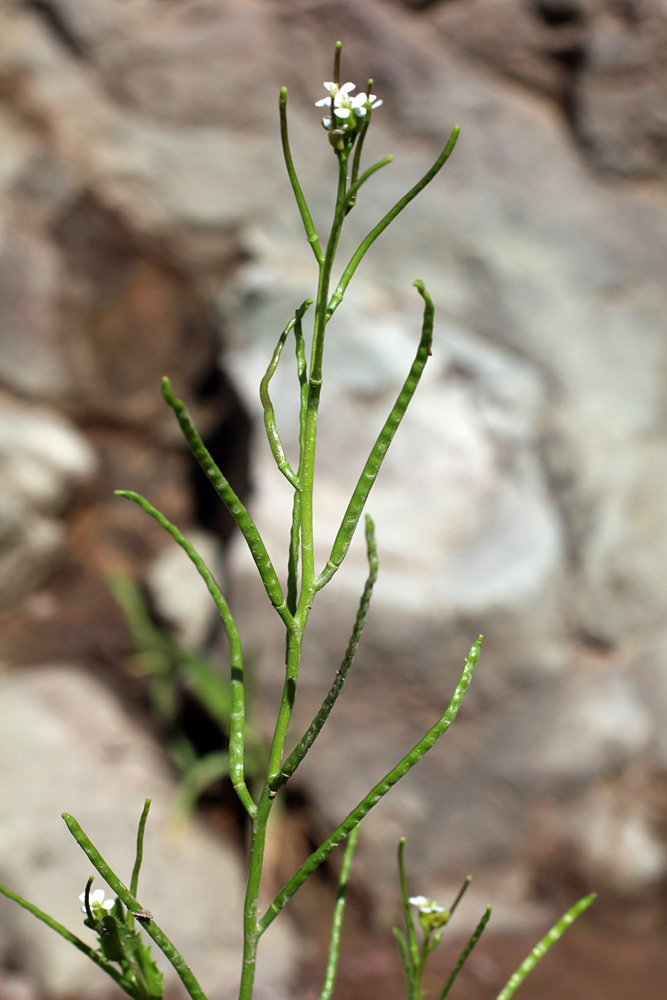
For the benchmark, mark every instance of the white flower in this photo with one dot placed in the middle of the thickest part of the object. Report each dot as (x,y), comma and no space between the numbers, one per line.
(346,108)
(96,899)
(425,905)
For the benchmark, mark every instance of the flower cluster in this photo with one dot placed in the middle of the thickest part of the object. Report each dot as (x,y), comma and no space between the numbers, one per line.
(432,916)
(97,903)
(348,111)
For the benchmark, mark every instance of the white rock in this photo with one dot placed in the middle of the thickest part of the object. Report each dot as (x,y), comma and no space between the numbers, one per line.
(179,593)
(42,456)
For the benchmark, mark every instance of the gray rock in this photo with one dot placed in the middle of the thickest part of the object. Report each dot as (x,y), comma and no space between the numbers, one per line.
(568,734)
(44,460)
(178,592)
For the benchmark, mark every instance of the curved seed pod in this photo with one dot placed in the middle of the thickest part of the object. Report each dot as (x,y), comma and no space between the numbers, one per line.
(366,244)
(272,433)
(369,474)
(542,947)
(233,504)
(306,217)
(237,686)
(378,791)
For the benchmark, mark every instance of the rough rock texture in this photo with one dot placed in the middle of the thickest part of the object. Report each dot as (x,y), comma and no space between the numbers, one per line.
(146,225)
(603,61)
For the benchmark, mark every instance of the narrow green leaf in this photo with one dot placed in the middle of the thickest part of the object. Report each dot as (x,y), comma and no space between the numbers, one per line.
(134,881)
(407,913)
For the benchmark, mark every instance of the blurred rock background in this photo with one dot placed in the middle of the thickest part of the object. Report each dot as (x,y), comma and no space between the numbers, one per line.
(147,228)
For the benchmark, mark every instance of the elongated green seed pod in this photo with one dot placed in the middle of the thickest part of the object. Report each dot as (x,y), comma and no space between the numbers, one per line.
(233,504)
(372,467)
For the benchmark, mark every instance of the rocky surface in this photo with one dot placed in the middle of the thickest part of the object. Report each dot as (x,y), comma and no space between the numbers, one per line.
(146,228)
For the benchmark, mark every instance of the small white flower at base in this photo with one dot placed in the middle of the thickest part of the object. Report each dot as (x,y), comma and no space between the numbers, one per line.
(425,905)
(96,899)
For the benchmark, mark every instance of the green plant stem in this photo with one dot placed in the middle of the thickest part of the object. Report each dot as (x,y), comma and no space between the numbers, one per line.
(252,929)
(333,953)
(378,792)
(313,401)
(148,924)
(237,683)
(89,952)
(542,947)
(303,530)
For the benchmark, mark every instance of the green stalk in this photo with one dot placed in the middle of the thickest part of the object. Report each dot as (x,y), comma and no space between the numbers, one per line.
(295,529)
(302,528)
(313,731)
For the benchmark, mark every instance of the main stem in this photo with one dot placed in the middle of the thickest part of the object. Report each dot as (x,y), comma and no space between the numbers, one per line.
(307,590)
